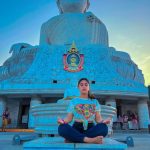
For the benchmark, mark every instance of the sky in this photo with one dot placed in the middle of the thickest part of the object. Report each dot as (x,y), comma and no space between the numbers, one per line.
(127,22)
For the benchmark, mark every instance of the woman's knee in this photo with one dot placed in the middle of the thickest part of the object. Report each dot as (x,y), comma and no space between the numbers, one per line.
(103,127)
(62,129)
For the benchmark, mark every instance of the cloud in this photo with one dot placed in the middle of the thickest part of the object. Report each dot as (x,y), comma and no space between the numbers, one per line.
(146,59)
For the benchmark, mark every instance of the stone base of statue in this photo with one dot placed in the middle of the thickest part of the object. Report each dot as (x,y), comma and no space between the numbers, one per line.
(54,143)
(45,123)
(104,68)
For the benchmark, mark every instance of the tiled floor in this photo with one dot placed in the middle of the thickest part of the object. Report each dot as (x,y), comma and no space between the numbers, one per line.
(141,141)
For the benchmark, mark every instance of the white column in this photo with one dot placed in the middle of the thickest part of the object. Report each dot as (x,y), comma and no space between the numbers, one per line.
(111,101)
(2,108)
(35,100)
(143,114)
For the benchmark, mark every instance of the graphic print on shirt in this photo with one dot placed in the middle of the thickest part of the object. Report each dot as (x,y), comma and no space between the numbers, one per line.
(87,110)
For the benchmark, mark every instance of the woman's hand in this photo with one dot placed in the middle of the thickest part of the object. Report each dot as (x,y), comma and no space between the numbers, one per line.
(106,121)
(60,121)
(66,120)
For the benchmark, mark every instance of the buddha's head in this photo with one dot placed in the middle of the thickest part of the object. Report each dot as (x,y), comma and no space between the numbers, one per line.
(69,6)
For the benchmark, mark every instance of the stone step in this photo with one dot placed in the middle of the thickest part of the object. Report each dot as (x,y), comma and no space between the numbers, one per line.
(51,143)
(52,130)
(55,106)
(131,131)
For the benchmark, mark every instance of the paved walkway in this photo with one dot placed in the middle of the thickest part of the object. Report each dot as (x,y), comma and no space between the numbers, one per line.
(142,141)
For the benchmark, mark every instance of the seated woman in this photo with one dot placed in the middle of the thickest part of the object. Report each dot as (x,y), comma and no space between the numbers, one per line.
(85,111)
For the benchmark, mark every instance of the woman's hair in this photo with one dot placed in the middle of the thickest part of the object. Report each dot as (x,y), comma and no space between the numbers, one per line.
(91,96)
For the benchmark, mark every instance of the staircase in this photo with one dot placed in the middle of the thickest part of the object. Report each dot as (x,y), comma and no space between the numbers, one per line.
(46,124)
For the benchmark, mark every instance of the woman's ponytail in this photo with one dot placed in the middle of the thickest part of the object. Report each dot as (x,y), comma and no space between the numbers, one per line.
(91,96)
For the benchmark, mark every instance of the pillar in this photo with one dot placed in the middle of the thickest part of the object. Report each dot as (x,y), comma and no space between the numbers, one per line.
(111,101)
(35,100)
(2,108)
(143,114)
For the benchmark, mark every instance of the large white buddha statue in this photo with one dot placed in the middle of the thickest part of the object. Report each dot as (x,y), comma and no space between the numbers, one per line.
(74,24)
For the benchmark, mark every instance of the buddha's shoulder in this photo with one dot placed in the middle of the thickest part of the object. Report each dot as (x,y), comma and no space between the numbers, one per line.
(92,17)
(52,21)
(67,16)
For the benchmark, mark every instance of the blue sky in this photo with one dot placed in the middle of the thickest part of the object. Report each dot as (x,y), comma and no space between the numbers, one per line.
(127,21)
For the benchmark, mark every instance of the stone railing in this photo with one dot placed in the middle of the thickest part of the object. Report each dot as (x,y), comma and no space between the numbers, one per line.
(46,116)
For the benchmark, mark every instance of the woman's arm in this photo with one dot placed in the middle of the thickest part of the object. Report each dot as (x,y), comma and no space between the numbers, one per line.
(68,118)
(98,118)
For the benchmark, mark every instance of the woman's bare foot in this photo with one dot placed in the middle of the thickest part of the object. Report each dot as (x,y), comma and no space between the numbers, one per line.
(67,141)
(95,140)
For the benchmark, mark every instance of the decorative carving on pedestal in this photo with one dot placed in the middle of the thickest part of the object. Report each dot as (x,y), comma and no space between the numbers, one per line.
(73,60)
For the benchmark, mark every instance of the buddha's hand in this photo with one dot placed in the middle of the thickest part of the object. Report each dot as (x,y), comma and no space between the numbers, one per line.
(60,121)
(106,121)
(16,48)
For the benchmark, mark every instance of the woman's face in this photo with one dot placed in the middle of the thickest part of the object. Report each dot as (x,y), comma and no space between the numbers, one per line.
(84,87)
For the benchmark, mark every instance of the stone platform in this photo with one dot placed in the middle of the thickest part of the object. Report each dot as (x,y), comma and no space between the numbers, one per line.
(52,143)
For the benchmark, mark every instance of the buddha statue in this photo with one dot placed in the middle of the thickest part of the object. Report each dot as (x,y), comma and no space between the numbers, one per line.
(74,24)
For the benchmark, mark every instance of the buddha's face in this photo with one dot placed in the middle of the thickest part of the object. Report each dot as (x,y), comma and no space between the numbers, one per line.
(73,5)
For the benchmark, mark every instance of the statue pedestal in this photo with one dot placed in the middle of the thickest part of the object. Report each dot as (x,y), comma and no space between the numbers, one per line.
(58,143)
(46,116)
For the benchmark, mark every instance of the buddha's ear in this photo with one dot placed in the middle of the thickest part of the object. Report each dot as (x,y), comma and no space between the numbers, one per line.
(59,7)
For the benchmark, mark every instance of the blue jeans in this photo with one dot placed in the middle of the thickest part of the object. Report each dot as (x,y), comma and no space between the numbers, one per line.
(76,133)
